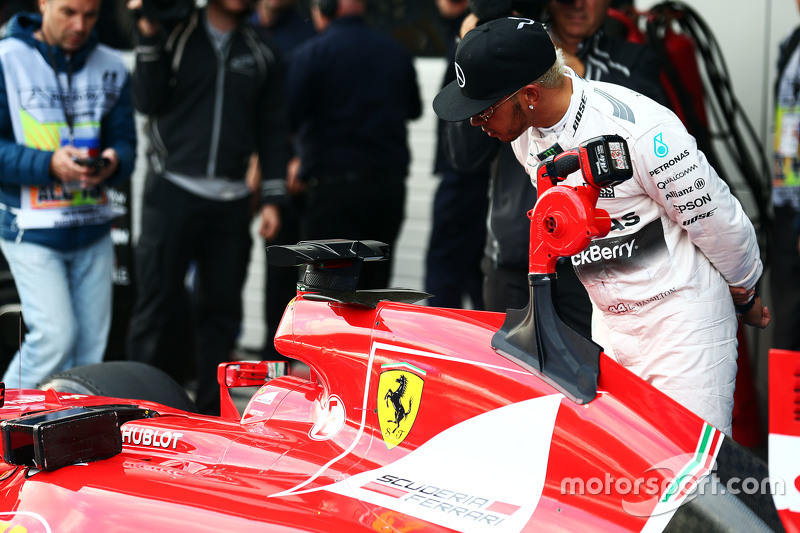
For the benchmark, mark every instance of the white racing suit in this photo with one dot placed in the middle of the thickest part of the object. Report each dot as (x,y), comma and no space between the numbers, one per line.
(679,238)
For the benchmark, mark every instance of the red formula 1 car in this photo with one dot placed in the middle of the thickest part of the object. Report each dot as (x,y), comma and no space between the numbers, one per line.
(413,419)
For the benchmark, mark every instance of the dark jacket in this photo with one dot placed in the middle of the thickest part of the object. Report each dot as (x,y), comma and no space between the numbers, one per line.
(351,91)
(613,60)
(207,115)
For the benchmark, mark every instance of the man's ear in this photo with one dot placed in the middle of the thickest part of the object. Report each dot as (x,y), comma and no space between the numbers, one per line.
(531,93)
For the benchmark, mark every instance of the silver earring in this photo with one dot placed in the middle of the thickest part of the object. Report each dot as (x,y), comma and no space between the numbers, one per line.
(530,106)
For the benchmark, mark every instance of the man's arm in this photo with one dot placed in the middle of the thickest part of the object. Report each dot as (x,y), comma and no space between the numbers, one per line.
(273,147)
(153,70)
(749,307)
(467,148)
(677,175)
(19,164)
(414,98)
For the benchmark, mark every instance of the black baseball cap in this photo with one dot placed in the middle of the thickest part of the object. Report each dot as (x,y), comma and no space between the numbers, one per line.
(494,60)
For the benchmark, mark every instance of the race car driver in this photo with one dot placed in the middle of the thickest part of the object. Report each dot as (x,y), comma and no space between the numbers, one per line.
(681,253)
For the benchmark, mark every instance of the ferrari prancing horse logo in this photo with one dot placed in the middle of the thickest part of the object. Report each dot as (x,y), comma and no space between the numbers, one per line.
(399,393)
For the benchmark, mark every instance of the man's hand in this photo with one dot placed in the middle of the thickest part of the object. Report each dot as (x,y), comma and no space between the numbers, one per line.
(253,180)
(63,166)
(71,174)
(270,222)
(294,185)
(758,315)
(92,177)
(741,295)
(146,27)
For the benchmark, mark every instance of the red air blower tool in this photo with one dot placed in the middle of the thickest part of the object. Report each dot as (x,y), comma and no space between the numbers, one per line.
(563,223)
(565,219)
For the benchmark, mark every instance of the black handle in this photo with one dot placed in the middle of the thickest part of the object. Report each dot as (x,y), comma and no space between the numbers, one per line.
(562,165)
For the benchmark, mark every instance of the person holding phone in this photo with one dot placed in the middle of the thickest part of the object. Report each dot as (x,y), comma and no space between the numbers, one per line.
(64,102)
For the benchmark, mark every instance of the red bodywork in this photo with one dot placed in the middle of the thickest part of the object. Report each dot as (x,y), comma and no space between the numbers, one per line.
(784,433)
(489,448)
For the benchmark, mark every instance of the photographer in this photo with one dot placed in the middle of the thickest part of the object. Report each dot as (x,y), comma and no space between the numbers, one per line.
(66,130)
(213,93)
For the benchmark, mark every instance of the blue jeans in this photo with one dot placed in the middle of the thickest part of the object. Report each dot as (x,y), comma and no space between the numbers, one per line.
(66,306)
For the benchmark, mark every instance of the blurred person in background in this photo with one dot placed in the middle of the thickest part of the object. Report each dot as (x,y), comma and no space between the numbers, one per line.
(282,22)
(213,93)
(352,91)
(785,273)
(66,131)
(458,221)
(576,27)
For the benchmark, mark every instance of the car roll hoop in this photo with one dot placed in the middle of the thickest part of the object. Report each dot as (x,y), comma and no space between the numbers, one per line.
(332,269)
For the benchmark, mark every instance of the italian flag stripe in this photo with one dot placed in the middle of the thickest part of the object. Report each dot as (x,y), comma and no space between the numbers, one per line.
(700,464)
(406,366)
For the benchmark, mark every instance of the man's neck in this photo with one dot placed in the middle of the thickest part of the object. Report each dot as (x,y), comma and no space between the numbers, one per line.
(569,43)
(222,20)
(557,107)
(40,36)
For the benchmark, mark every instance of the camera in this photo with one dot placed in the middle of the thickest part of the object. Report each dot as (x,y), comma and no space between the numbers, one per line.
(487,10)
